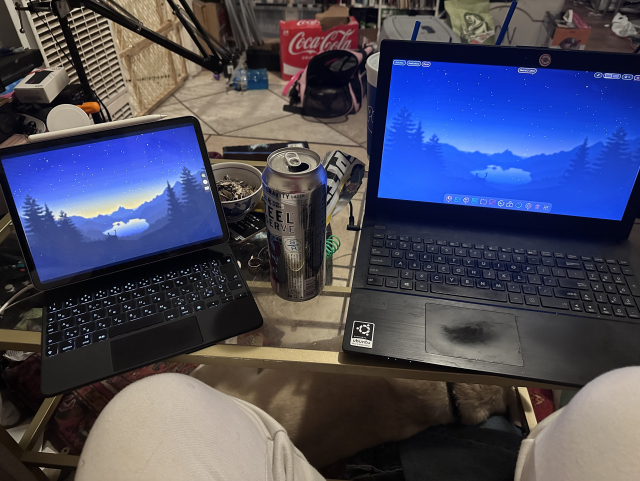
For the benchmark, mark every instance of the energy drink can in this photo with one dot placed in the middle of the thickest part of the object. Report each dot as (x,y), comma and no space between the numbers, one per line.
(295,197)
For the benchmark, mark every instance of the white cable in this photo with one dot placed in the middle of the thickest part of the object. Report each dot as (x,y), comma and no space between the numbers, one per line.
(15,296)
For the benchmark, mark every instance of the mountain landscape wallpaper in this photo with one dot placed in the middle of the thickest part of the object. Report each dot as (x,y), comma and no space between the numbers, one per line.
(570,139)
(87,206)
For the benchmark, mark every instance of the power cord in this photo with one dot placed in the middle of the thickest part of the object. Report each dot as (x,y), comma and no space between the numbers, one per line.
(9,304)
(104,109)
(352,222)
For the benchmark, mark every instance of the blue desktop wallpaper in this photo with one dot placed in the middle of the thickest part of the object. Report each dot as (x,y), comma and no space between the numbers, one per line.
(567,139)
(91,205)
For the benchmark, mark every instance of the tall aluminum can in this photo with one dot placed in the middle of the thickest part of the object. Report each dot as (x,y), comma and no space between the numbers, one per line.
(295,197)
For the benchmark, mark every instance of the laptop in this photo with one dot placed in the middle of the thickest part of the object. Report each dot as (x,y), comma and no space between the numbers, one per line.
(123,231)
(502,192)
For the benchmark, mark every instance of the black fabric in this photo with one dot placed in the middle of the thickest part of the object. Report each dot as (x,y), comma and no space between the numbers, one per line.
(460,453)
(327,94)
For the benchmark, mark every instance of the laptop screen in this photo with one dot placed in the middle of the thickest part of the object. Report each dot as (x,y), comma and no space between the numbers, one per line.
(532,140)
(93,204)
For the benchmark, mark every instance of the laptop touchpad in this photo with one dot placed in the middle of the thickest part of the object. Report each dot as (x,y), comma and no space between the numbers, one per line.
(475,334)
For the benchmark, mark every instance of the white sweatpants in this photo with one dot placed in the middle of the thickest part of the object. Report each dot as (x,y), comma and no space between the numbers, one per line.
(174,427)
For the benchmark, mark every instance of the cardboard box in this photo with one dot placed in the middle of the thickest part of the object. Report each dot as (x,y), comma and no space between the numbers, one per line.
(42,85)
(301,40)
(557,33)
(370,34)
(213,18)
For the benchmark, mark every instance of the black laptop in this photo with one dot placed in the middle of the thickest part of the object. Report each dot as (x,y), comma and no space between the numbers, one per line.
(124,232)
(502,190)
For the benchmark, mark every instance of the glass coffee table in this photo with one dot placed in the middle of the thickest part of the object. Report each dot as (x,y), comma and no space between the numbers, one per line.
(302,336)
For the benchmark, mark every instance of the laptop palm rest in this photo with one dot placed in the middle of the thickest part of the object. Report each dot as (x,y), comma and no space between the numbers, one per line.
(160,342)
(475,334)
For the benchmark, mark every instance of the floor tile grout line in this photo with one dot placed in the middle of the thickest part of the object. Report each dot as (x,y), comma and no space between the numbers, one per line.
(341,133)
(198,98)
(258,124)
(197,116)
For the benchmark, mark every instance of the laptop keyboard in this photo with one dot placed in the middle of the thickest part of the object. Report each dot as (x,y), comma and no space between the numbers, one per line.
(92,317)
(554,280)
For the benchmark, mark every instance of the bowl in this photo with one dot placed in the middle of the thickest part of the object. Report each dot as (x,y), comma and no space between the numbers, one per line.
(235,210)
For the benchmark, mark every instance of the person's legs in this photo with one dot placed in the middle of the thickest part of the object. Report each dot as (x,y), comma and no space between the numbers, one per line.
(595,437)
(174,427)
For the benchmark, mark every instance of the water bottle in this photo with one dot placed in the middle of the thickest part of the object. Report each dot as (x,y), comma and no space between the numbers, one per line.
(247,79)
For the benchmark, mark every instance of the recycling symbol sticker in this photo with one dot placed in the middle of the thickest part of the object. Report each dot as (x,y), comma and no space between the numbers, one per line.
(362,334)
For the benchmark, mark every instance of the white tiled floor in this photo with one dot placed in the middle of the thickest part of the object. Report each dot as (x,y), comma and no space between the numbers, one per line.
(228,117)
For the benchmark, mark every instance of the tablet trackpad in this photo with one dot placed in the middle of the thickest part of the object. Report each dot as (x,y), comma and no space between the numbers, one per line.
(475,334)
(160,342)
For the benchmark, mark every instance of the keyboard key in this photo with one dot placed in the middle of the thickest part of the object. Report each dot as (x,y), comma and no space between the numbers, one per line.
(88,328)
(532,300)
(566,293)
(374,261)
(54,338)
(422,286)
(428,267)
(604,309)
(376,271)
(615,300)
(404,238)
(482,284)
(576,306)
(619,312)
(555,303)
(550,281)
(51,350)
(485,294)
(513,287)
(375,280)
(378,235)
(545,291)
(531,290)
(377,243)
(400,264)
(516,298)
(466,282)
(185,310)
(498,286)
(569,264)
(574,284)
(633,313)
(558,272)
(439,278)
(628,301)
(83,341)
(444,269)
(404,284)
(390,282)
(66,346)
(634,287)
(391,244)
(453,280)
(575,274)
(590,308)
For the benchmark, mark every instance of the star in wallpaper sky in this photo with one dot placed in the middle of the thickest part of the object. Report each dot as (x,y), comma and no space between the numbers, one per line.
(495,108)
(98,178)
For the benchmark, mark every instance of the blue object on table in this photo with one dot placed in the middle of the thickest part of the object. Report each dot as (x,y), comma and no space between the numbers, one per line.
(416,29)
(251,79)
(507,19)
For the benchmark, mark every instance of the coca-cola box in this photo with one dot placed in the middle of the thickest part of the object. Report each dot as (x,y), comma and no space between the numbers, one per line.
(300,40)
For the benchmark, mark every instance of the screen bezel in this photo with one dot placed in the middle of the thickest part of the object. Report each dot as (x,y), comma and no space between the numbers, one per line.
(97,136)
(416,211)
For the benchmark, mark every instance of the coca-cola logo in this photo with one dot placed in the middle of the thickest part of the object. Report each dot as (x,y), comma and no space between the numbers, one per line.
(336,40)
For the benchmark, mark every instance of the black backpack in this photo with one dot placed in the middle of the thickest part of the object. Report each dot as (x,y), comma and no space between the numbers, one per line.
(332,85)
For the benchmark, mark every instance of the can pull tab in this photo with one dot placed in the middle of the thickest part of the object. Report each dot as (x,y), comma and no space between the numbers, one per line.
(294,164)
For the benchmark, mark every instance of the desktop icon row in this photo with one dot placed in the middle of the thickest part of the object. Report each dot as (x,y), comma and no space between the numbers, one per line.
(500,203)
